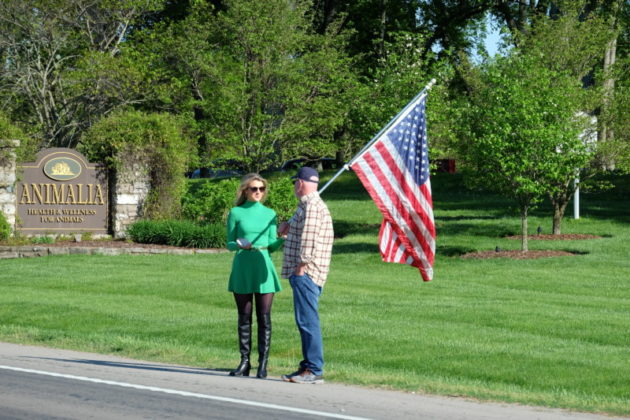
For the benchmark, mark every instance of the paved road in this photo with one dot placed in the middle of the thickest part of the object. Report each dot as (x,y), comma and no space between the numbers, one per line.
(42,383)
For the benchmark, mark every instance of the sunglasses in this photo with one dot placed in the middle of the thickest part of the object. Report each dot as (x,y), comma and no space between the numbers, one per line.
(256,189)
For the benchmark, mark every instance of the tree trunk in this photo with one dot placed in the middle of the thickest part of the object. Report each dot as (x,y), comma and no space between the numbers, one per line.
(524,246)
(606,133)
(610,57)
(340,158)
(382,35)
(202,142)
(328,10)
(560,201)
(558,214)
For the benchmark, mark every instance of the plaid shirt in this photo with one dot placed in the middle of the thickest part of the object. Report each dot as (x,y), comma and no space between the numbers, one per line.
(309,239)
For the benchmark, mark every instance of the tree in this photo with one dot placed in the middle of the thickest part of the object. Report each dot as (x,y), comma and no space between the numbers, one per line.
(617,149)
(370,24)
(614,75)
(567,37)
(452,24)
(570,44)
(259,83)
(522,135)
(62,63)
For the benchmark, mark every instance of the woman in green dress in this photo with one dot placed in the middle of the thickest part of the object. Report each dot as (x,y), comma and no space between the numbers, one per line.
(251,232)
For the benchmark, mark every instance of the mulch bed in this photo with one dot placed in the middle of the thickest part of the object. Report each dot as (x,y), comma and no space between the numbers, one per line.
(532,254)
(517,255)
(561,237)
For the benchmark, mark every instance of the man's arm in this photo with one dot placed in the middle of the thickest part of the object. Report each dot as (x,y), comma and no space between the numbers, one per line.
(310,232)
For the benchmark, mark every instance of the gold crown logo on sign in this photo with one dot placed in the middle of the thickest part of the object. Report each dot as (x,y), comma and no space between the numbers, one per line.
(61,168)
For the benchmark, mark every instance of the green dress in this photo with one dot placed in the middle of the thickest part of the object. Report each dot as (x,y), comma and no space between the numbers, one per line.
(252,270)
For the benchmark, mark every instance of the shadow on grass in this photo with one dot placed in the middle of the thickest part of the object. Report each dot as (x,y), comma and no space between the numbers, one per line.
(450,194)
(453,251)
(447,251)
(617,211)
(356,247)
(455,218)
(346,187)
(486,204)
(490,231)
(343,228)
(577,251)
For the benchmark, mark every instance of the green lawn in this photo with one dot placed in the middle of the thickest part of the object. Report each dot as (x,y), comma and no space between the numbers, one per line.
(552,332)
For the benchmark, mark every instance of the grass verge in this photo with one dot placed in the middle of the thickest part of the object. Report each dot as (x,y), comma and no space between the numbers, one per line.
(553,332)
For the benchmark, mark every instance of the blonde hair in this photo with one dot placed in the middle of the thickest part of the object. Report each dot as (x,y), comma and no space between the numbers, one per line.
(241,193)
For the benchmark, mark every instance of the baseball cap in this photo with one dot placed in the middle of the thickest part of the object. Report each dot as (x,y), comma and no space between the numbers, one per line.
(307,173)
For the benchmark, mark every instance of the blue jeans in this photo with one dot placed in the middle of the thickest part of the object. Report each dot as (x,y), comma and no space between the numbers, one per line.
(305,304)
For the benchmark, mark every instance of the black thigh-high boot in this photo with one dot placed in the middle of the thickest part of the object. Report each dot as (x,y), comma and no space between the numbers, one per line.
(264,342)
(245,344)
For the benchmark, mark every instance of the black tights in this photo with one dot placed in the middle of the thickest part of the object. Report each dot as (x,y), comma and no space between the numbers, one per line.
(244,303)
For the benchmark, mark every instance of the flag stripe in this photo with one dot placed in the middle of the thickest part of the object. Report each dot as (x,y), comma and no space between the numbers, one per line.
(387,242)
(394,170)
(377,192)
(412,194)
(392,244)
(412,190)
(404,217)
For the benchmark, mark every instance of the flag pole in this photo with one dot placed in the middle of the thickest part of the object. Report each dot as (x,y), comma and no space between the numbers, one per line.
(346,167)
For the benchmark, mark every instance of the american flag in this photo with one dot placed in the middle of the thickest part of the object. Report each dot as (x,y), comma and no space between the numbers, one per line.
(395,172)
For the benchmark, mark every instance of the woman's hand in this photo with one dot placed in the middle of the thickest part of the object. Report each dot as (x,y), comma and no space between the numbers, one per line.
(243,243)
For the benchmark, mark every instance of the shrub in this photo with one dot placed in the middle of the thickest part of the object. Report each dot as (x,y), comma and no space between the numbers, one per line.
(157,141)
(182,233)
(209,201)
(5,228)
(42,240)
(281,198)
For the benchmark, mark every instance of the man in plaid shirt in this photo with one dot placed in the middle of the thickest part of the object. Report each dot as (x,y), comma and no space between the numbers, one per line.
(307,252)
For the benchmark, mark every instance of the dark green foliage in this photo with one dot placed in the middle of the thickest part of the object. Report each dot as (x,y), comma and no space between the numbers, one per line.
(281,198)
(206,205)
(10,131)
(5,228)
(259,86)
(181,233)
(209,201)
(42,240)
(156,141)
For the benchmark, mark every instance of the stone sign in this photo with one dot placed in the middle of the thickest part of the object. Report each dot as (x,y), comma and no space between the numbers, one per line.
(61,193)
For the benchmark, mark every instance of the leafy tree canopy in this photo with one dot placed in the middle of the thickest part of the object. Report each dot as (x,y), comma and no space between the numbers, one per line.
(522,131)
